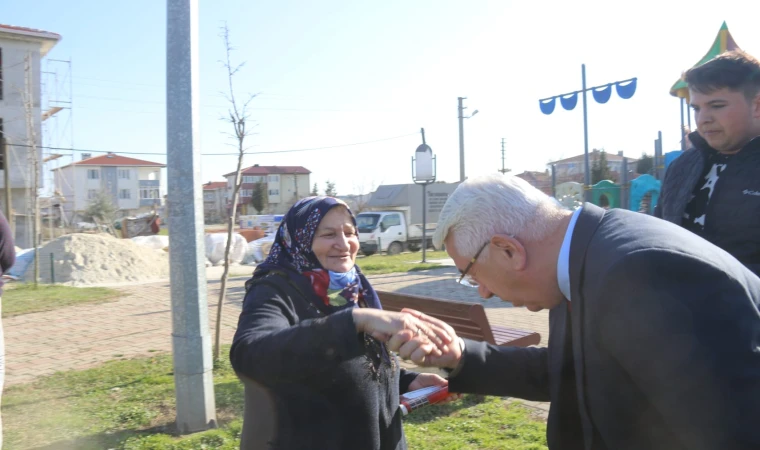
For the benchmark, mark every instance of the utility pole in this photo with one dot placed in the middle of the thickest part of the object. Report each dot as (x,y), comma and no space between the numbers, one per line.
(460,111)
(503,169)
(191,338)
(460,114)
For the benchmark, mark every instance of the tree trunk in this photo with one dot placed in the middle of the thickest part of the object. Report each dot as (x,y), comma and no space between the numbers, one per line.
(225,273)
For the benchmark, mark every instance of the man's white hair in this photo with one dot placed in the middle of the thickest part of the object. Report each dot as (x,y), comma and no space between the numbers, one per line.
(484,206)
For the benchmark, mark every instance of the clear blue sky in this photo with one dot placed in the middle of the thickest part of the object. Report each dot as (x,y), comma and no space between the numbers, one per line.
(340,72)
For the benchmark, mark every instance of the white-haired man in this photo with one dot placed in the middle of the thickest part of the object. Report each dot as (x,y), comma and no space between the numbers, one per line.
(654,332)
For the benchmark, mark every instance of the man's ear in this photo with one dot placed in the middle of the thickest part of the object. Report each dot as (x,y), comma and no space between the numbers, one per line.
(755,105)
(509,251)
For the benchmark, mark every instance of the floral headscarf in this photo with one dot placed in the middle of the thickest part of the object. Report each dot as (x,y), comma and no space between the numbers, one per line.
(292,251)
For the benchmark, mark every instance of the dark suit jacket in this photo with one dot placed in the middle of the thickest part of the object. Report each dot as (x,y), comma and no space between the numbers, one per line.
(661,349)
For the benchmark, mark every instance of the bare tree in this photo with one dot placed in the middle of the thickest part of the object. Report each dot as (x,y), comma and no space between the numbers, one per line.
(237,116)
(362,198)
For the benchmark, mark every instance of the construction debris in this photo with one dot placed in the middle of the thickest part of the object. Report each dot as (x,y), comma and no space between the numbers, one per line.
(83,259)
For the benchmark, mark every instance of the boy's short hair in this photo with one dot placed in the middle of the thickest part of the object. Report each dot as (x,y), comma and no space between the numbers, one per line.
(735,70)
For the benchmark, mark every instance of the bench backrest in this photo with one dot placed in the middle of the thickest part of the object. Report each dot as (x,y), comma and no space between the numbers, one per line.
(467,319)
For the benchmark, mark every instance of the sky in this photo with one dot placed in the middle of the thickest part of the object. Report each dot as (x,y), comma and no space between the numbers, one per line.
(341,73)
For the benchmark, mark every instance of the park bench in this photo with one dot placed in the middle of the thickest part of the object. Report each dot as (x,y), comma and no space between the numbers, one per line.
(467,319)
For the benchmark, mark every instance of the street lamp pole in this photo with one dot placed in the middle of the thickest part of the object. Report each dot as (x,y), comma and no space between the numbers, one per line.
(461,116)
(601,93)
(423,172)
(191,341)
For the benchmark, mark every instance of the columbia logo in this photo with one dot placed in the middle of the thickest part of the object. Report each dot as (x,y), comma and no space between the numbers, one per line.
(748,192)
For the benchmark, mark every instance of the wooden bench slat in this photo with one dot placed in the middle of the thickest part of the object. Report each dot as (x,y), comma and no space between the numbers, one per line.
(469,320)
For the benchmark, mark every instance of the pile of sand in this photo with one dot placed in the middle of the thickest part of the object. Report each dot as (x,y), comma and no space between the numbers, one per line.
(88,259)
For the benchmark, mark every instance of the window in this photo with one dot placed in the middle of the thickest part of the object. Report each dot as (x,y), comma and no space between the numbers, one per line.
(392,220)
(252,179)
(208,196)
(147,193)
(246,192)
(274,192)
(93,174)
(124,174)
(274,178)
(92,193)
(125,194)
(1,73)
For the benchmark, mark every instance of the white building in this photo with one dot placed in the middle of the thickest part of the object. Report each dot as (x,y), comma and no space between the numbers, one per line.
(134,185)
(21,50)
(215,201)
(285,185)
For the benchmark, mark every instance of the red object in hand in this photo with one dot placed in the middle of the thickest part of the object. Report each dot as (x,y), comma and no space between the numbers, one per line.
(422,397)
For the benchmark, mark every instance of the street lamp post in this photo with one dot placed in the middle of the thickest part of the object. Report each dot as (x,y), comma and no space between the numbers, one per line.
(601,93)
(423,172)
(461,116)
(191,341)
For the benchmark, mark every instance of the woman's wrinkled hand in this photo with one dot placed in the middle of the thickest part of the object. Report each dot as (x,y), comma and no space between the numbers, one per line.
(397,328)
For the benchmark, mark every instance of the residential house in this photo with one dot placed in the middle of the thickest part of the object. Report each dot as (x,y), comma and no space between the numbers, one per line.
(21,50)
(284,184)
(573,169)
(539,180)
(214,201)
(134,184)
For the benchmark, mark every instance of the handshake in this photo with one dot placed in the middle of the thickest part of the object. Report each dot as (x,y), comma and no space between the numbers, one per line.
(415,336)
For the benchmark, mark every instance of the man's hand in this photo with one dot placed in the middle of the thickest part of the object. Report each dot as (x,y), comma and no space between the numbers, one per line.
(396,328)
(414,347)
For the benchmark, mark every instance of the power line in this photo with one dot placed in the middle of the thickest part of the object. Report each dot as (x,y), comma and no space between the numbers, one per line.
(221,154)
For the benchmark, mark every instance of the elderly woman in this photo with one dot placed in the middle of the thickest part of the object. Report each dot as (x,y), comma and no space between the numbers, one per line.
(310,344)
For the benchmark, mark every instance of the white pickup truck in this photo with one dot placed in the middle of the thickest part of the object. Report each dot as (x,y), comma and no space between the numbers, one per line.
(390,231)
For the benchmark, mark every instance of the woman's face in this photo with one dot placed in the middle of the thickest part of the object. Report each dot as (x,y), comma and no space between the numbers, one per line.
(335,241)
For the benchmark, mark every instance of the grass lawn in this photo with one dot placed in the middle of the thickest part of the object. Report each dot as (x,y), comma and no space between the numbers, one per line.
(24,298)
(404,262)
(129,405)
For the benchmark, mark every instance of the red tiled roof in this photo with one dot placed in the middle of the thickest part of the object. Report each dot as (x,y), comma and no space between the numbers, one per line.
(273,170)
(47,34)
(211,185)
(115,160)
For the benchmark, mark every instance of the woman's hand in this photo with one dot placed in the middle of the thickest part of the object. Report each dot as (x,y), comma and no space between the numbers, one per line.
(424,380)
(402,327)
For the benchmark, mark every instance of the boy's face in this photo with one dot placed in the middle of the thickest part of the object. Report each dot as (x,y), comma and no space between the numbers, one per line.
(726,119)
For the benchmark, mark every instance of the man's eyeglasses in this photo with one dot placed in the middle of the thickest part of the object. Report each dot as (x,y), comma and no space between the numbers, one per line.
(468,280)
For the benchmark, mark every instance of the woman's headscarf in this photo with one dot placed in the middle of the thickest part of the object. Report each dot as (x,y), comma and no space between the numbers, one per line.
(292,251)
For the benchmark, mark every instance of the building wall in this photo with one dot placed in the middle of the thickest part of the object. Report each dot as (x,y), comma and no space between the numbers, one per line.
(281,190)
(213,205)
(13,111)
(274,188)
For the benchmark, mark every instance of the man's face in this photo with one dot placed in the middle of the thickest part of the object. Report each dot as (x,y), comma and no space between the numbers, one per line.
(495,273)
(725,118)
